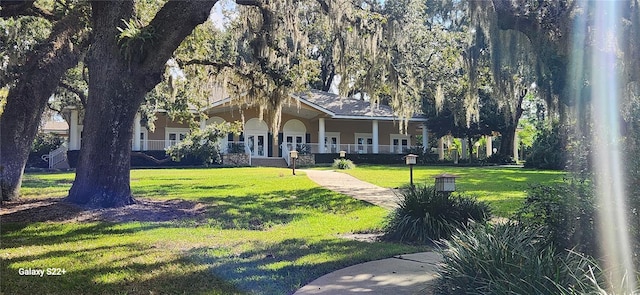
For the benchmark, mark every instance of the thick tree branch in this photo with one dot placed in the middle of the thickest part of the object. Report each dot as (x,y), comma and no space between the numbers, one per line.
(24,8)
(218,65)
(170,31)
(79,93)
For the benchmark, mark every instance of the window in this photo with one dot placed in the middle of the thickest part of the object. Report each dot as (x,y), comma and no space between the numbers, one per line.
(364,143)
(175,135)
(332,142)
(400,143)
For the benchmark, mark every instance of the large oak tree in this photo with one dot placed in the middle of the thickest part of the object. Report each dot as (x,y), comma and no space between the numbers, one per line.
(37,76)
(124,65)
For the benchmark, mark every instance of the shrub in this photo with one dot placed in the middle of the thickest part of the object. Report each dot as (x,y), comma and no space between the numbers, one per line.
(499,159)
(202,144)
(343,164)
(566,212)
(548,150)
(44,143)
(424,215)
(513,259)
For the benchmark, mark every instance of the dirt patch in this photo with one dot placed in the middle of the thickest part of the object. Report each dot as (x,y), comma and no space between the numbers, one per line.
(56,210)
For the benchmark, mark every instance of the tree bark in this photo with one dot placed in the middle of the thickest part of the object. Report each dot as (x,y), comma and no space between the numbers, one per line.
(27,100)
(117,87)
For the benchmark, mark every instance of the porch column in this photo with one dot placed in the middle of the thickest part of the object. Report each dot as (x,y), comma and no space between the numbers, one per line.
(441,148)
(489,145)
(203,123)
(74,142)
(321,136)
(425,139)
(136,132)
(374,130)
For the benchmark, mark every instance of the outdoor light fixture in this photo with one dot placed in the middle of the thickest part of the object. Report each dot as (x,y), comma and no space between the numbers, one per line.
(445,183)
(293,155)
(410,159)
(343,154)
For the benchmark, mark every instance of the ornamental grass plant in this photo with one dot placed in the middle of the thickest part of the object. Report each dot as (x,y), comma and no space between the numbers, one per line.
(343,164)
(425,215)
(511,258)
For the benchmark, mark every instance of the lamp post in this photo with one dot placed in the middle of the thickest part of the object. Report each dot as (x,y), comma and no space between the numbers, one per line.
(294,156)
(343,154)
(445,183)
(410,159)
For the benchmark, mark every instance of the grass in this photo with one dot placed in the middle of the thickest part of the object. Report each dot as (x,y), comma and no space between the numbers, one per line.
(503,188)
(264,232)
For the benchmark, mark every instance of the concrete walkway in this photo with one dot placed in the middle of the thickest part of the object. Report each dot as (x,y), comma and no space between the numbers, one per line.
(400,275)
(353,187)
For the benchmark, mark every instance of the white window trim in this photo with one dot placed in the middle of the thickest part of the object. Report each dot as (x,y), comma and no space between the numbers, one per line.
(169,130)
(328,135)
(365,146)
(399,137)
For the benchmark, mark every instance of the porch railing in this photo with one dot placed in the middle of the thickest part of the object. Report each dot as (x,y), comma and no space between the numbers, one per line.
(56,156)
(285,154)
(313,148)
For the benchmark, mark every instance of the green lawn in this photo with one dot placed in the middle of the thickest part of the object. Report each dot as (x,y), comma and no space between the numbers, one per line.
(503,188)
(264,231)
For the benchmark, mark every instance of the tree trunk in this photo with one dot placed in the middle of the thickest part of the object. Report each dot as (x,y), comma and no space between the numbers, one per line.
(118,84)
(102,174)
(27,100)
(506,141)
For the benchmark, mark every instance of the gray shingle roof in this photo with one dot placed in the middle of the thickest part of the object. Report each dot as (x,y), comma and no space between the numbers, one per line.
(346,106)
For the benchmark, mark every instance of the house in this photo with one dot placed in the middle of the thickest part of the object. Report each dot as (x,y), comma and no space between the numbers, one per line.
(317,122)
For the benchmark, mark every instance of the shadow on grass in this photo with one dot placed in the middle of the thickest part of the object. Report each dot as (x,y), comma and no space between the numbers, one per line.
(133,269)
(258,212)
(284,267)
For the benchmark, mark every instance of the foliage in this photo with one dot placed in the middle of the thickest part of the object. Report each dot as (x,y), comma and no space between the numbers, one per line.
(343,164)
(236,148)
(425,215)
(133,36)
(45,143)
(203,144)
(566,212)
(513,259)
(303,149)
(500,159)
(548,150)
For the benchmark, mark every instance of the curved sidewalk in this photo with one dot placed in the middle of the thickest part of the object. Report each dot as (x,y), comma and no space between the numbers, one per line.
(407,274)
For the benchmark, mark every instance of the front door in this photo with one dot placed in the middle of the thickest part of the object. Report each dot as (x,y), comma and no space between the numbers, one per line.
(294,142)
(257,145)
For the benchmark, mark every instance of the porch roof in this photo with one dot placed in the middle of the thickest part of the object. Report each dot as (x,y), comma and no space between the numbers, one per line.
(337,107)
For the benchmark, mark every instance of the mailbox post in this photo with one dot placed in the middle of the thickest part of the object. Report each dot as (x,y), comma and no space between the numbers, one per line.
(410,160)
(343,154)
(293,155)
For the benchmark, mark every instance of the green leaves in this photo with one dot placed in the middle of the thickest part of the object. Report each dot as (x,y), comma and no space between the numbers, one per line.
(133,36)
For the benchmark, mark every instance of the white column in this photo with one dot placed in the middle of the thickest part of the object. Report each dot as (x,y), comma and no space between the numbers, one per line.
(425,139)
(489,145)
(321,136)
(136,133)
(516,143)
(203,123)
(74,140)
(374,130)
(441,148)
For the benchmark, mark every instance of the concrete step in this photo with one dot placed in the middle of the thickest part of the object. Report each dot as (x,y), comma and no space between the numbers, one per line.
(268,162)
